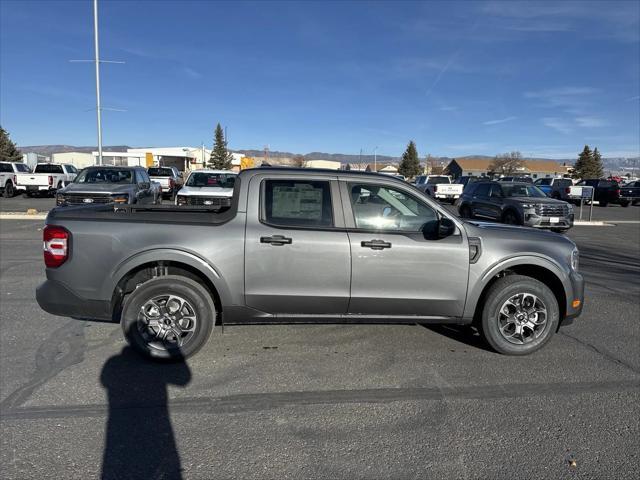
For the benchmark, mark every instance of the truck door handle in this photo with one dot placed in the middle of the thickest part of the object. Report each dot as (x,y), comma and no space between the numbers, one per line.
(276,240)
(376,244)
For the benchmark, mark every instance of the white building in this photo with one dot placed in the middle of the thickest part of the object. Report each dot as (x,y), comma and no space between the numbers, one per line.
(77,159)
(32,159)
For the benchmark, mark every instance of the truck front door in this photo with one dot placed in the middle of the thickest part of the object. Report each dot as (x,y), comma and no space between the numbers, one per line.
(297,258)
(395,269)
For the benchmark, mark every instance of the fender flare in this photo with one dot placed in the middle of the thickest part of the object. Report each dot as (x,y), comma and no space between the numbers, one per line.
(168,255)
(521,260)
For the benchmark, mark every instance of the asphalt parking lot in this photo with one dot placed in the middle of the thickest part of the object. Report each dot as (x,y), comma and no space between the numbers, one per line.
(323,401)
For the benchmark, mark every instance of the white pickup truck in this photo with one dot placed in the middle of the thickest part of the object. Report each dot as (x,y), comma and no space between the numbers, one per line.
(46,178)
(440,187)
(8,174)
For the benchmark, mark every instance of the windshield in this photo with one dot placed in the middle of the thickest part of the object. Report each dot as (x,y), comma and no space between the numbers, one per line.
(160,172)
(21,167)
(522,191)
(204,179)
(438,180)
(105,175)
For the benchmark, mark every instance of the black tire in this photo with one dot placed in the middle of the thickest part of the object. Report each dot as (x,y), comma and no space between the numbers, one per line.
(603,203)
(504,289)
(198,299)
(465,211)
(9,191)
(511,218)
(625,203)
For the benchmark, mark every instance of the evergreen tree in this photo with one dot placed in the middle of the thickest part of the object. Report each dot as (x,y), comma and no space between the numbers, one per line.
(8,150)
(597,170)
(589,164)
(220,158)
(410,163)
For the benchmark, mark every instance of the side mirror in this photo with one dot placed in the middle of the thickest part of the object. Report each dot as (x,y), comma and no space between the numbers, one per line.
(144,185)
(437,229)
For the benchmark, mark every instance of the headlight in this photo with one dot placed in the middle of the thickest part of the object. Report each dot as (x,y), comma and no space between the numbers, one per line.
(575,257)
(570,207)
(59,199)
(120,198)
(181,200)
(528,205)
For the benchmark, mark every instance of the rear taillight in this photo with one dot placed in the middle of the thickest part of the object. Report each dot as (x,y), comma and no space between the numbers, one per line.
(567,190)
(616,192)
(50,181)
(172,183)
(435,188)
(56,245)
(15,179)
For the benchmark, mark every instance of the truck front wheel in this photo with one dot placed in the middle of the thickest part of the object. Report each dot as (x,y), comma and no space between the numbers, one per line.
(168,318)
(520,315)
(8,190)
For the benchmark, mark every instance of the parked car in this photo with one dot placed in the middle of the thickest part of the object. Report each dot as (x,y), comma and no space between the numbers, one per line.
(630,193)
(516,204)
(515,179)
(8,177)
(439,186)
(558,188)
(208,188)
(107,184)
(46,178)
(605,191)
(169,178)
(304,245)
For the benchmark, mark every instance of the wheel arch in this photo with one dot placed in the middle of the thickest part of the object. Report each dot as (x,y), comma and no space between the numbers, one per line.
(148,265)
(538,268)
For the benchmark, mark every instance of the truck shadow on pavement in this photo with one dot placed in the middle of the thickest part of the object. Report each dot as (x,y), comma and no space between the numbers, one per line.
(465,334)
(140,442)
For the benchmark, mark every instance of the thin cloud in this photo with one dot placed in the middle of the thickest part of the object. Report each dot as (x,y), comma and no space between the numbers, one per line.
(590,122)
(496,122)
(192,73)
(448,108)
(558,124)
(633,99)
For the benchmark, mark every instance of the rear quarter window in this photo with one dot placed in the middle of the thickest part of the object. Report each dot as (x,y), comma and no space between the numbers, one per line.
(304,203)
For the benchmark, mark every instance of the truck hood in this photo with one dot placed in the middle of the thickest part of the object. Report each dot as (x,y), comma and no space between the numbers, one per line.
(105,188)
(505,233)
(206,192)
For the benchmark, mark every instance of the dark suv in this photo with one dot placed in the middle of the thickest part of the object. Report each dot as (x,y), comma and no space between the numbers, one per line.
(515,203)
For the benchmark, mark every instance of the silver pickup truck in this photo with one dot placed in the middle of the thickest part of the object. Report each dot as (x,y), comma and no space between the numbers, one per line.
(304,245)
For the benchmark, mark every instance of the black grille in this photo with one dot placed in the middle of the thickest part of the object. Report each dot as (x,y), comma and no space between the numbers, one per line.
(209,201)
(551,210)
(87,199)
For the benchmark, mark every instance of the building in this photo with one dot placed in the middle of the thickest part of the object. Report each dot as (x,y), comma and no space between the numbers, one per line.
(330,164)
(370,167)
(480,166)
(77,159)
(32,159)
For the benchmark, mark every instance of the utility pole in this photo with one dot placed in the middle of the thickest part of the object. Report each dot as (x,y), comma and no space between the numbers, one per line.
(97,62)
(375,159)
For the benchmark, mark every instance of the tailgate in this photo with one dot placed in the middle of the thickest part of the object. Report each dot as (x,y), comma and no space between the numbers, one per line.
(33,179)
(449,188)
(164,181)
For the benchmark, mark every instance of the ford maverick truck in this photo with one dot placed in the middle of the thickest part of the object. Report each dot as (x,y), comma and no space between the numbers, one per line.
(305,245)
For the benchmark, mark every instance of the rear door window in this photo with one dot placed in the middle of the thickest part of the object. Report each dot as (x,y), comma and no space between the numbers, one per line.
(48,169)
(5,167)
(297,203)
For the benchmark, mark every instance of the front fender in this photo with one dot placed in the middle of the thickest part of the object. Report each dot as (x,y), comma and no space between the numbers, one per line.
(480,278)
(168,255)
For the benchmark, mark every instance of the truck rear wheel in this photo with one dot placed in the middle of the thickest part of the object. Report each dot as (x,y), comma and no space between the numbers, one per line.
(8,190)
(168,318)
(520,315)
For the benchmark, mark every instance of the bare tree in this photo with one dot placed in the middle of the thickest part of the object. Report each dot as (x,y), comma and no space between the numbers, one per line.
(299,161)
(507,163)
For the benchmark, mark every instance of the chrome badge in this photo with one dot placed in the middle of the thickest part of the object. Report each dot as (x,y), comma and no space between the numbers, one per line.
(87,200)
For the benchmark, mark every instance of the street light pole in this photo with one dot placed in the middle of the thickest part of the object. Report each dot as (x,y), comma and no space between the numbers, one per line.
(97,61)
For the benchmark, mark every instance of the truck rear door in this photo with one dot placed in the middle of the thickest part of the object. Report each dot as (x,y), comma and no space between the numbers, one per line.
(395,269)
(297,257)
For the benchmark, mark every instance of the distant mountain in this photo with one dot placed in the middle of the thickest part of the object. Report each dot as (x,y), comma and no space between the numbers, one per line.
(50,149)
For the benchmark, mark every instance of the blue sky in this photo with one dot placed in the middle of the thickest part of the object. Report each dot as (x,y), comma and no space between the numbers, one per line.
(459,78)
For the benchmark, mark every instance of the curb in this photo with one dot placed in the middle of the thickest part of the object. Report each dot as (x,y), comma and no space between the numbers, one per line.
(594,223)
(22,216)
